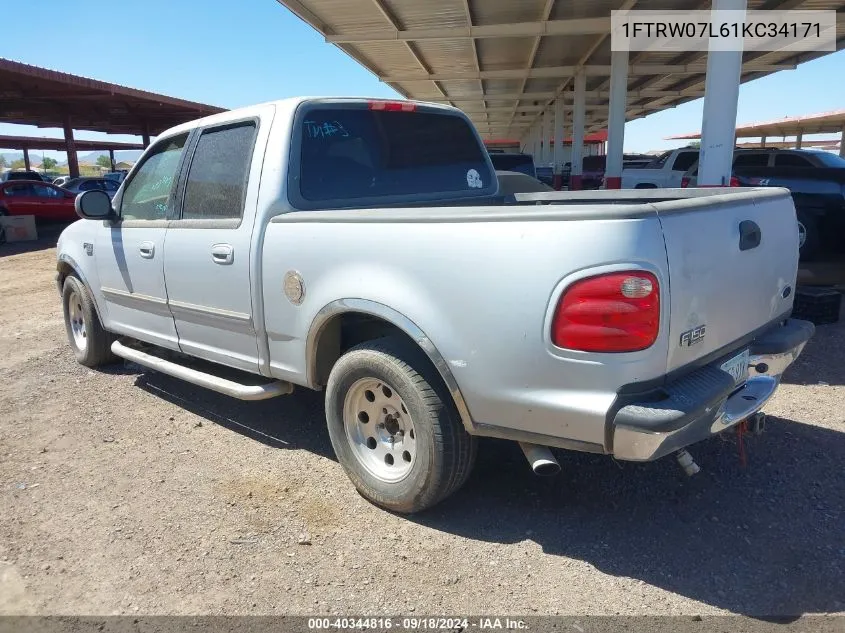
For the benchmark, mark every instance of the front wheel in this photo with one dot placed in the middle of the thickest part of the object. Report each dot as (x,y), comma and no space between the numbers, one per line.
(90,343)
(394,427)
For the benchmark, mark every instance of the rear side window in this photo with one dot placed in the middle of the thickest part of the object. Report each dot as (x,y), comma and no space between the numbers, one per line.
(684,161)
(355,156)
(751,160)
(218,174)
(791,160)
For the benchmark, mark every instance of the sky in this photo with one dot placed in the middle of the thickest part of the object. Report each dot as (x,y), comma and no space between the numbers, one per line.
(234,53)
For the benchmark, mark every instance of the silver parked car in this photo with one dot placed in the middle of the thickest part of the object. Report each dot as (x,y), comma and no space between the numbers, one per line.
(78,185)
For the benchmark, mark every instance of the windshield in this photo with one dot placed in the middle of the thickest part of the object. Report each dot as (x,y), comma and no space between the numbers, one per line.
(830,160)
(513,162)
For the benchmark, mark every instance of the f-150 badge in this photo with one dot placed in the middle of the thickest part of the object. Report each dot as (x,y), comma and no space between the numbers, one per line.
(693,336)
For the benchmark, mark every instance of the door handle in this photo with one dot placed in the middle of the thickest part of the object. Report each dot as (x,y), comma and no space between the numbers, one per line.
(147,250)
(222,254)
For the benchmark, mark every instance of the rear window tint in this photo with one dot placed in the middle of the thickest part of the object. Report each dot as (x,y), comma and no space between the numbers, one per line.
(356,153)
(684,161)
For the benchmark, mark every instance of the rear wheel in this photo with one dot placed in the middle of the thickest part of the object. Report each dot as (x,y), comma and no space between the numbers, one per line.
(394,427)
(90,343)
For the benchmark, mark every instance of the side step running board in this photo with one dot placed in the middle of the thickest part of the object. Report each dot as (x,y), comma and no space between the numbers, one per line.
(202,379)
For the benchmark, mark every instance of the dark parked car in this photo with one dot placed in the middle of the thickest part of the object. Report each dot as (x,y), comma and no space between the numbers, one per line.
(21,175)
(522,163)
(78,185)
(817,181)
(40,199)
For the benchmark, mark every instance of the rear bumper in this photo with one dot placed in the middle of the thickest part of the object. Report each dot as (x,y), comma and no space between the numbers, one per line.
(707,401)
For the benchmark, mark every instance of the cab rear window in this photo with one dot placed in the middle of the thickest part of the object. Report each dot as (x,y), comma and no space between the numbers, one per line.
(357,155)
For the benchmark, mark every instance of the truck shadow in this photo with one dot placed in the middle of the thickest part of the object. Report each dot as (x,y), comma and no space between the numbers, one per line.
(765,539)
(762,540)
(292,422)
(821,361)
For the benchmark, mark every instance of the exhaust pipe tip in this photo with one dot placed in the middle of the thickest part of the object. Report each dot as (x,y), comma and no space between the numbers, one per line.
(541,460)
(544,468)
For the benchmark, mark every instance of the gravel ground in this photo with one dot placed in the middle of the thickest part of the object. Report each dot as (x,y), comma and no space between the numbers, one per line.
(127,492)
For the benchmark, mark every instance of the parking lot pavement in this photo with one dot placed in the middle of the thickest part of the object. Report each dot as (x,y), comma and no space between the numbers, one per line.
(125,491)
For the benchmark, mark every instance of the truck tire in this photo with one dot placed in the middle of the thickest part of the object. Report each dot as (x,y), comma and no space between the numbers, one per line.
(394,427)
(90,343)
(809,240)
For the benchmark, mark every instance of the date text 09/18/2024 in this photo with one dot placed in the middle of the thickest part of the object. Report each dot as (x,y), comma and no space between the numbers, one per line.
(417,623)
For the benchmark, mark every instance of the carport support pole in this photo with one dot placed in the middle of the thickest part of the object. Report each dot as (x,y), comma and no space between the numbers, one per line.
(70,148)
(798,140)
(616,118)
(578,121)
(558,143)
(145,134)
(111,159)
(842,143)
(26,159)
(721,93)
(547,135)
(762,141)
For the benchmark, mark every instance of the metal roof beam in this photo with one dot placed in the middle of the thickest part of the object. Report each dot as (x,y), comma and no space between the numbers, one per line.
(537,108)
(554,72)
(581,26)
(545,96)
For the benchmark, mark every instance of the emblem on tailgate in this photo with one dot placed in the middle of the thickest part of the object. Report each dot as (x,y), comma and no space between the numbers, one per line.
(693,336)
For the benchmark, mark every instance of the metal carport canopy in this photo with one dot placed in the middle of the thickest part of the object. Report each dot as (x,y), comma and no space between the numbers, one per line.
(505,61)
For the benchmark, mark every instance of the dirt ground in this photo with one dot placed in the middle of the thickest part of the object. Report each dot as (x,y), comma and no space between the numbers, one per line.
(124,491)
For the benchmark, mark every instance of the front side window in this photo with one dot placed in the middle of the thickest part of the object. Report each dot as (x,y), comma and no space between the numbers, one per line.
(149,195)
(43,191)
(791,160)
(218,174)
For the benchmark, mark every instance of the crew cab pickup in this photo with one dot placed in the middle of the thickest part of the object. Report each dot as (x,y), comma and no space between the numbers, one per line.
(365,248)
(663,172)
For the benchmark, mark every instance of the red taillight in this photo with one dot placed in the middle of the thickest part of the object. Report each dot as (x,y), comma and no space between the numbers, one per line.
(616,312)
(734,182)
(685,182)
(392,106)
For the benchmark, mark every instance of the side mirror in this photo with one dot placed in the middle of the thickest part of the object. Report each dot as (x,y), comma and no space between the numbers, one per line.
(94,204)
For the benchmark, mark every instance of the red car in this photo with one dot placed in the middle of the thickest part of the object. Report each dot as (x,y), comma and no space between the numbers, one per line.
(39,199)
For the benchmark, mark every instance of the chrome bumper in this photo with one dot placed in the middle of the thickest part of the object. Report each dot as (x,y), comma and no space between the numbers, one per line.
(635,442)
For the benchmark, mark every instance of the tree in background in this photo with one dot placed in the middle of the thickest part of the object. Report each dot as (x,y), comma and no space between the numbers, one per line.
(49,164)
(104,162)
(18,164)
(2,162)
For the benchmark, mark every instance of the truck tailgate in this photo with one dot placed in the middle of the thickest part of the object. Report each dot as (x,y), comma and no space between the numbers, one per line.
(720,281)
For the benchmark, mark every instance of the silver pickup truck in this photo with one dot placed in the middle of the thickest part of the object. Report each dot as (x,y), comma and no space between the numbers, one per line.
(367,248)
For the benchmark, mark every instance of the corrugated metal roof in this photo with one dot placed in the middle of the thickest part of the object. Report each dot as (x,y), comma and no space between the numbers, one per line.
(504,61)
(820,123)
